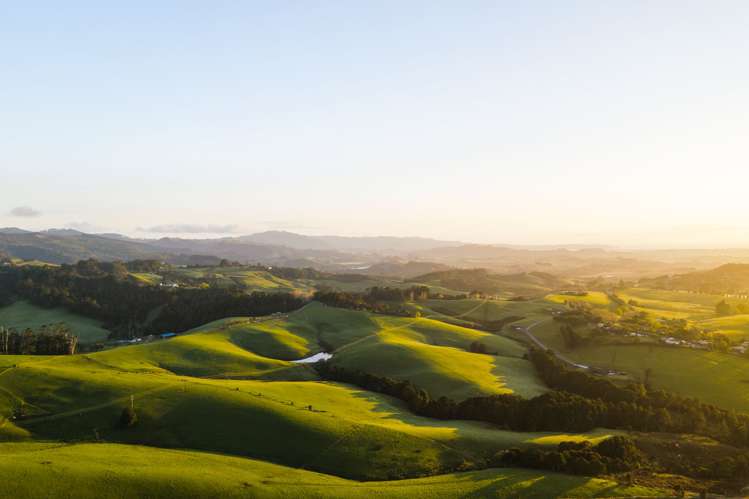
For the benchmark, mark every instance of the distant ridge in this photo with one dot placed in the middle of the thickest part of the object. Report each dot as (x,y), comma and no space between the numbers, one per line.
(348,243)
(13,230)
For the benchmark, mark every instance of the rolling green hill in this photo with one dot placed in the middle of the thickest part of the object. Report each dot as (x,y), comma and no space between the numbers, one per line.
(713,377)
(530,283)
(736,327)
(732,278)
(22,315)
(229,387)
(487,310)
(434,355)
(104,471)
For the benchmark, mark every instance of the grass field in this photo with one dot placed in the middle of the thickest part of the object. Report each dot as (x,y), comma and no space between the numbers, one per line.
(697,308)
(147,278)
(434,355)
(229,387)
(115,471)
(671,304)
(594,298)
(229,392)
(22,314)
(252,279)
(736,327)
(488,310)
(249,279)
(712,377)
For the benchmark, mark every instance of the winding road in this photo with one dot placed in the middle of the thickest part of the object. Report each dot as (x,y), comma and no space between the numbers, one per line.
(532,337)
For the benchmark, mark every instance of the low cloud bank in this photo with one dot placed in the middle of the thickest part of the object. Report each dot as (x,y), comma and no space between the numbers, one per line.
(24,212)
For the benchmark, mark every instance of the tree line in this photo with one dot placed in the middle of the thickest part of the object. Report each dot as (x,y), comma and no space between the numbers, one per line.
(627,408)
(129,309)
(613,455)
(578,402)
(54,339)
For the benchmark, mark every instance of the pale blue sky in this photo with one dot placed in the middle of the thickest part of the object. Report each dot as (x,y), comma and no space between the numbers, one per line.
(623,122)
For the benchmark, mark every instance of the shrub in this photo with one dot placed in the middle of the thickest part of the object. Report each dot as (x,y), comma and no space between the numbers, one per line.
(128,418)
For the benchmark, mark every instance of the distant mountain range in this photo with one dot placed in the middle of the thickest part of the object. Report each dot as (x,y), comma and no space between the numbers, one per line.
(273,247)
(392,256)
(379,244)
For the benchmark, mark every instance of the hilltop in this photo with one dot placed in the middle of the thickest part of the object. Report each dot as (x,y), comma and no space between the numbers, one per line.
(732,278)
(531,283)
(401,257)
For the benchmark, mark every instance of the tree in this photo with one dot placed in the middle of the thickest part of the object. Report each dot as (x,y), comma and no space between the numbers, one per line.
(723,308)
(477,347)
(128,418)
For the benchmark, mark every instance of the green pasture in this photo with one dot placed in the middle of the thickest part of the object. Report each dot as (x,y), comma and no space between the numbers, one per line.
(22,314)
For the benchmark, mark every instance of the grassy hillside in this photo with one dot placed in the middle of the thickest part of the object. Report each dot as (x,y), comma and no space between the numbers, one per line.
(250,279)
(671,304)
(593,298)
(736,327)
(434,355)
(712,377)
(255,279)
(112,471)
(210,390)
(486,310)
(732,278)
(465,280)
(22,314)
(147,278)
(230,388)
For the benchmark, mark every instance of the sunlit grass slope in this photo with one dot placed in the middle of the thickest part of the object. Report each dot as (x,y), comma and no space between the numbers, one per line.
(487,310)
(250,279)
(434,355)
(22,314)
(736,327)
(147,278)
(594,298)
(104,471)
(671,304)
(346,431)
(208,390)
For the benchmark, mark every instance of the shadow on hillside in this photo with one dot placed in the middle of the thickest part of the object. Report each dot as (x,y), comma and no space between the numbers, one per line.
(398,411)
(518,375)
(533,484)
(331,327)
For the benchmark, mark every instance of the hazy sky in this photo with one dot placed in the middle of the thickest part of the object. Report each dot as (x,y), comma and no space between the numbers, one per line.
(623,122)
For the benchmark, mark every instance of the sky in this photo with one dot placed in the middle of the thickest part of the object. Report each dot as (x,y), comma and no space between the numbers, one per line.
(530,122)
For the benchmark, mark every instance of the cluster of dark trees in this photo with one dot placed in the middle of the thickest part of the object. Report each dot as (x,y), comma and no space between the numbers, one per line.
(612,455)
(478,347)
(146,266)
(53,339)
(553,411)
(724,308)
(129,309)
(635,407)
(385,300)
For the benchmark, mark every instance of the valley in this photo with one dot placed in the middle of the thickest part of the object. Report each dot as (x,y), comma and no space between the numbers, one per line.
(249,387)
